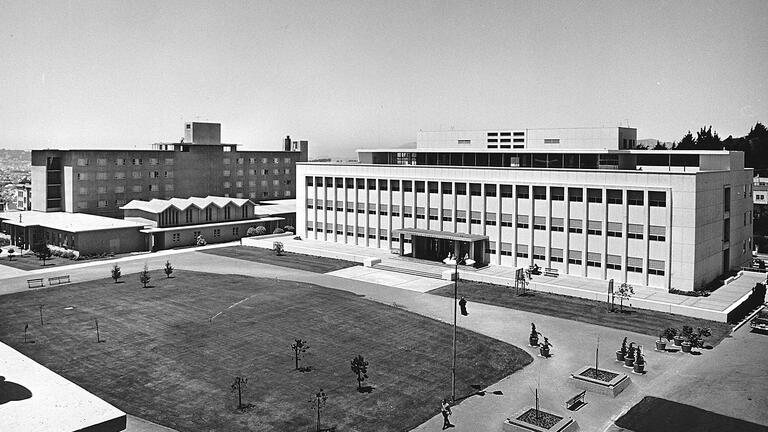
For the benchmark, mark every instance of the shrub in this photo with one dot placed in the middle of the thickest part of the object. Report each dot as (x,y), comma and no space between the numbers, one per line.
(251,232)
(289,228)
(260,230)
(200,241)
(669,333)
(278,230)
(278,247)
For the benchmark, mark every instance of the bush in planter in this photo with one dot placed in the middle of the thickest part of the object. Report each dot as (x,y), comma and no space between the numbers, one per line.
(629,360)
(259,230)
(533,339)
(639,361)
(278,230)
(251,232)
(289,228)
(278,248)
(688,336)
(200,241)
(544,348)
(622,352)
(661,344)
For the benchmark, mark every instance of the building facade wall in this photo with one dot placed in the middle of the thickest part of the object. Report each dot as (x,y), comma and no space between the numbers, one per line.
(629,226)
(100,181)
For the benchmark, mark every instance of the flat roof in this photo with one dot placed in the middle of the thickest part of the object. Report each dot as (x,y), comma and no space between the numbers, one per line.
(274,207)
(440,234)
(549,150)
(43,401)
(64,221)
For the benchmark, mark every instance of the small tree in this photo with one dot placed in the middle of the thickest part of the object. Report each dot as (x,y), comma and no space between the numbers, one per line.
(144,276)
(623,349)
(299,347)
(116,273)
(42,252)
(168,269)
(259,230)
(625,292)
(238,385)
(669,333)
(11,251)
(251,232)
(318,402)
(278,230)
(289,228)
(278,248)
(360,368)
(200,241)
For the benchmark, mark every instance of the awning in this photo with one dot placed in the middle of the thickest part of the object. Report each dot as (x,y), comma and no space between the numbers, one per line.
(440,234)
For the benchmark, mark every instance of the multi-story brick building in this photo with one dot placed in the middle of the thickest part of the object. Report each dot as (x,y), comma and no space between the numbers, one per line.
(101,181)
(577,200)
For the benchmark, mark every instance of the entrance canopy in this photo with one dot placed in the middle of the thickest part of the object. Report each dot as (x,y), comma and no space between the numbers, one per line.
(441,234)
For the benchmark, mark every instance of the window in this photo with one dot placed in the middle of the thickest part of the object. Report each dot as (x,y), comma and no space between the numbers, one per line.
(594,227)
(101,162)
(522,221)
(593,259)
(226,173)
(635,198)
(614,229)
(490,190)
(432,187)
(226,161)
(169,161)
(538,253)
(394,185)
(594,195)
(614,196)
(136,188)
(433,214)
(176,237)
(726,230)
(227,185)
(461,216)
(83,191)
(154,174)
(275,182)
(491,249)
(657,233)
(236,231)
(613,262)
(395,210)
(522,192)
(119,189)
(461,188)
(82,176)
(490,219)
(727,199)
(263,183)
(475,189)
(657,199)
(102,203)
(101,176)
(372,210)
(539,223)
(556,224)
(208,214)
(635,231)
(153,161)
(216,232)
(277,172)
(119,161)
(382,184)
(557,194)
(552,141)
(475,217)
(136,161)
(634,265)
(575,226)
(196,234)
(655,267)
(556,255)
(287,160)
(82,162)
(119,202)
(521,250)
(420,186)
(507,220)
(266,172)
(447,215)
(540,192)
(407,186)
(136,174)
(101,189)
(84,204)
(276,160)
(507,191)
(574,257)
(575,194)
(263,160)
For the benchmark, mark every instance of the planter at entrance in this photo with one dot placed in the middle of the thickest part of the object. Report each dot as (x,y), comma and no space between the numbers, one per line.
(678,340)
(686,347)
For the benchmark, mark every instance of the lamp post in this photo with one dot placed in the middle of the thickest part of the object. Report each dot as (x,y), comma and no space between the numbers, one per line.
(455,261)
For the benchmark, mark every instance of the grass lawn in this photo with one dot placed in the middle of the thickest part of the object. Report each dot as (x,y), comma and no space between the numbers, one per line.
(288,259)
(30,262)
(588,311)
(166,359)
(660,415)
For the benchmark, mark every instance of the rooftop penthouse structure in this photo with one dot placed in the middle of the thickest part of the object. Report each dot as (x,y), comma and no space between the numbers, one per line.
(582,201)
(101,181)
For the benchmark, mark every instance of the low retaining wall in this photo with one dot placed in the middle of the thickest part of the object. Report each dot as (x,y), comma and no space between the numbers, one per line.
(293,246)
(612,388)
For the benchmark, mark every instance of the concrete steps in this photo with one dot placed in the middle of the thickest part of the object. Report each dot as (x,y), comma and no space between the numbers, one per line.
(410,271)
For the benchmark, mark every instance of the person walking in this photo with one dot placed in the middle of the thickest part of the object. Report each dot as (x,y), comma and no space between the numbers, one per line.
(445,409)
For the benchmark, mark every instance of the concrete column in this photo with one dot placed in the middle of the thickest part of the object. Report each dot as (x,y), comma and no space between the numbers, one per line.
(567,229)
(367,216)
(646,232)
(548,247)
(668,239)
(585,227)
(356,217)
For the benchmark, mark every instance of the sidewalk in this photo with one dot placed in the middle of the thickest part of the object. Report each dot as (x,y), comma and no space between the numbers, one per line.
(715,307)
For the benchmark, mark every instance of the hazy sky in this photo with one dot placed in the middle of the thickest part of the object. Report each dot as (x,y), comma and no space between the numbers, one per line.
(357,74)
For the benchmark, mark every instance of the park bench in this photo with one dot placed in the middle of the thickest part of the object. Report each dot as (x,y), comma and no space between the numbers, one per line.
(58,280)
(550,272)
(35,283)
(576,402)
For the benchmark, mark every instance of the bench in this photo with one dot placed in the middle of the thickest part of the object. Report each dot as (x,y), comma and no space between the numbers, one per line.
(550,272)
(35,283)
(576,402)
(58,280)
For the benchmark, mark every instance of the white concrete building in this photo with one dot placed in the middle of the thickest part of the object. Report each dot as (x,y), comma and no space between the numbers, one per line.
(577,200)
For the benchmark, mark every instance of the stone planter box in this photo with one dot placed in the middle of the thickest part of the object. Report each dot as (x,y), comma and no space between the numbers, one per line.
(612,388)
(564,424)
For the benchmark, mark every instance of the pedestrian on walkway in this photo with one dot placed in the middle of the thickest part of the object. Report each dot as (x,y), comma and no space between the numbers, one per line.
(445,409)
(463,306)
